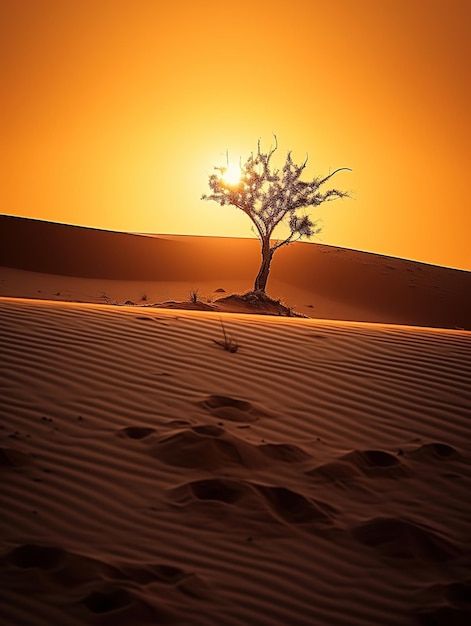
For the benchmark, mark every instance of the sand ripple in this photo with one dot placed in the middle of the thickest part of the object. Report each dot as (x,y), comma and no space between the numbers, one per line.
(321,475)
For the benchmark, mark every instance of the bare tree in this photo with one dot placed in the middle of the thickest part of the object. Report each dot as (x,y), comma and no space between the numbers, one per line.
(270,196)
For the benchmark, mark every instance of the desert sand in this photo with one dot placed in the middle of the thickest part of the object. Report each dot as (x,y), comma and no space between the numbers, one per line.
(318,475)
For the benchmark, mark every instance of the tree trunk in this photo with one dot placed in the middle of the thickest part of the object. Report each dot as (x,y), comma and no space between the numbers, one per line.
(262,276)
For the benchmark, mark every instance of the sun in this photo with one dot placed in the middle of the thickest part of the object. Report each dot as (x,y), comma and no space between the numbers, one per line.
(232,174)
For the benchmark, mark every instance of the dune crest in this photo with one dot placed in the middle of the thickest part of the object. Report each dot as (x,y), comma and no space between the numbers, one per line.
(53,261)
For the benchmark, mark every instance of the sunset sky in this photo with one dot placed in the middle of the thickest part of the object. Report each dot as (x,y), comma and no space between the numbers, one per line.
(114,112)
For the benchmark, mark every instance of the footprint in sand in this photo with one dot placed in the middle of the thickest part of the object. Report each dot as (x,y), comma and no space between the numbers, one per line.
(211,447)
(435,452)
(112,603)
(104,589)
(295,508)
(136,432)
(59,565)
(150,573)
(35,556)
(108,599)
(244,497)
(227,490)
(201,447)
(231,409)
(11,457)
(334,472)
(177,424)
(444,616)
(404,539)
(459,592)
(377,463)
(284,452)
(357,463)
(445,604)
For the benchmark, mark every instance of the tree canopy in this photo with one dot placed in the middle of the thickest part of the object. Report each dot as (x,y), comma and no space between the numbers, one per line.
(270,196)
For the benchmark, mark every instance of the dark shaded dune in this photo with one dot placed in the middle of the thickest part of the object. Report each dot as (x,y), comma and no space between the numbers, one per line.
(10,457)
(75,251)
(232,409)
(371,287)
(294,507)
(136,432)
(396,290)
(54,248)
(287,453)
(435,452)
(404,539)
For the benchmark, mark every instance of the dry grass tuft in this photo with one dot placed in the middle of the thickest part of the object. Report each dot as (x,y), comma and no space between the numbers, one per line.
(228,343)
(194,296)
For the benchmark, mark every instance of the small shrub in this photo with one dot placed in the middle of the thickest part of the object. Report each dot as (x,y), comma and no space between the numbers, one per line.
(228,343)
(108,300)
(194,296)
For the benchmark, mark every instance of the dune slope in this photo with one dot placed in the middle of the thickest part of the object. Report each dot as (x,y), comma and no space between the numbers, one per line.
(61,262)
(318,475)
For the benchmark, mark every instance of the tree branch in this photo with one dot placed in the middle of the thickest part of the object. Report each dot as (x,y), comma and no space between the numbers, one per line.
(324,180)
(286,241)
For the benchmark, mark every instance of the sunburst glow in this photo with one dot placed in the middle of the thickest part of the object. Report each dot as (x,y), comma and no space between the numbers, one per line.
(232,174)
(125,136)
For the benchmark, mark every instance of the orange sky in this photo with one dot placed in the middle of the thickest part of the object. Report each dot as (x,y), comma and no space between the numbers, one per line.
(115,111)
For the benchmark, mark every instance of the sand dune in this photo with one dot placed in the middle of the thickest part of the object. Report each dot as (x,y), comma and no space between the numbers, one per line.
(318,475)
(321,474)
(60,262)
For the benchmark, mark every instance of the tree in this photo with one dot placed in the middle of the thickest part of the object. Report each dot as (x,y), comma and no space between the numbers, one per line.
(270,196)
